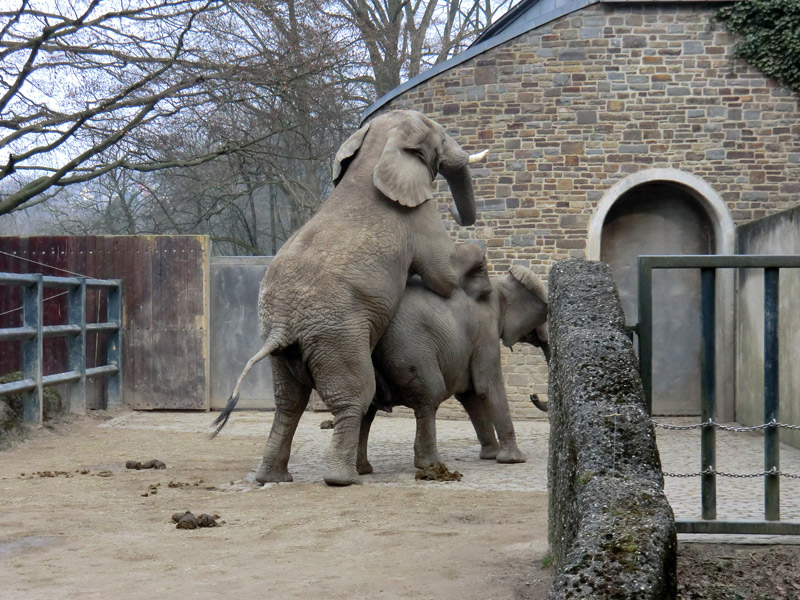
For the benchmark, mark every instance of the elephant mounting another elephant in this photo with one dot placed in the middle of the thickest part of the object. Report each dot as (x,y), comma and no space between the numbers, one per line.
(332,289)
(438,347)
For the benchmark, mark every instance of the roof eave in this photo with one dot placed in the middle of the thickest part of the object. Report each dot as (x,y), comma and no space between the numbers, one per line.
(507,33)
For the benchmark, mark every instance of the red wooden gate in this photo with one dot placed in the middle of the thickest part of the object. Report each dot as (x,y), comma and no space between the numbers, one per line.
(165,310)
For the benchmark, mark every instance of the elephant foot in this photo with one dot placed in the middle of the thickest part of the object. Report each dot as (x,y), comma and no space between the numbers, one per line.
(341,477)
(264,475)
(489,452)
(364,468)
(511,455)
(423,462)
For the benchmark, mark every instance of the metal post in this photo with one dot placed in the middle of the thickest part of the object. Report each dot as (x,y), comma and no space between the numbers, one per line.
(645,331)
(32,352)
(114,347)
(708,395)
(772,498)
(76,346)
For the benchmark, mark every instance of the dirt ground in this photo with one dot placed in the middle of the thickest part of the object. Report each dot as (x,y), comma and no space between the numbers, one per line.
(77,523)
(738,572)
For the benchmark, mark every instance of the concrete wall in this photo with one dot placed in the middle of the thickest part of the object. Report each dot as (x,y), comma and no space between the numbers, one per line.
(234,335)
(777,234)
(611,532)
(577,106)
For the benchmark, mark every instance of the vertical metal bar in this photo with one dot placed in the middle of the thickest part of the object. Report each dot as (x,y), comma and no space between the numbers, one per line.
(708,394)
(76,346)
(645,331)
(114,347)
(32,352)
(772,499)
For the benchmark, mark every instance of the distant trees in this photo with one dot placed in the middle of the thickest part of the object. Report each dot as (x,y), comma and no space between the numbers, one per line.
(87,88)
(404,37)
(217,117)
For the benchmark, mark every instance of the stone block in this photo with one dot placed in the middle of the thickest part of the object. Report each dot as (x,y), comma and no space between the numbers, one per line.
(573,221)
(634,41)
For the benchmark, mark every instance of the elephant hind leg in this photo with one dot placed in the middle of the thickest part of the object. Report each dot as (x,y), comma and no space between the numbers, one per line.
(291,399)
(363,465)
(426,451)
(345,380)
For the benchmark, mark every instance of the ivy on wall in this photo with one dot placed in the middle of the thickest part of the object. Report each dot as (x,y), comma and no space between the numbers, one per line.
(768,34)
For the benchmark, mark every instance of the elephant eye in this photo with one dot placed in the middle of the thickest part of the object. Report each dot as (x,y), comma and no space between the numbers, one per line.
(418,153)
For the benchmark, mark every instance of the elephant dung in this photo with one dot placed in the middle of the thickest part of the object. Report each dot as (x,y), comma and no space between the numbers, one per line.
(437,472)
(188,520)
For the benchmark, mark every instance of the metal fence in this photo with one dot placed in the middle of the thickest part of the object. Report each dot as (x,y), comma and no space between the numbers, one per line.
(708,265)
(33,331)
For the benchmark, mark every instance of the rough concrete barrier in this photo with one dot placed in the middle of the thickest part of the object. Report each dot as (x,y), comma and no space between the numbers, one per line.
(612,531)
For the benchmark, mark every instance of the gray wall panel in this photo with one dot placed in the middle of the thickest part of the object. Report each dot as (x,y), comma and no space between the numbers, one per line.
(234,331)
(777,234)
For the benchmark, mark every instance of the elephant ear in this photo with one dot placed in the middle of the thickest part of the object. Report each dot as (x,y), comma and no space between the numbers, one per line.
(531,282)
(403,172)
(346,152)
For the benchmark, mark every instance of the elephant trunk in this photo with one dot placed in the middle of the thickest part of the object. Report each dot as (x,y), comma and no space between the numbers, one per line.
(454,166)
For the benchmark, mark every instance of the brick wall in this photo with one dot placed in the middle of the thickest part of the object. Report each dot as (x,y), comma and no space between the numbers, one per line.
(571,108)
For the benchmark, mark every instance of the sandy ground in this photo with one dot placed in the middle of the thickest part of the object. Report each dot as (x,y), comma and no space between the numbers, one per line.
(96,535)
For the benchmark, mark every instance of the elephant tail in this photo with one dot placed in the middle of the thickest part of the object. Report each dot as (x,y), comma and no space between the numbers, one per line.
(538,403)
(274,342)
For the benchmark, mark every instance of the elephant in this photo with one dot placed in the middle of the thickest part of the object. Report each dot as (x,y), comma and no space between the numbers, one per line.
(436,347)
(332,289)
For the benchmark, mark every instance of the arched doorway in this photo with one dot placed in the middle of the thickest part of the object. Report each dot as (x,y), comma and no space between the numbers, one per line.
(662,211)
(660,218)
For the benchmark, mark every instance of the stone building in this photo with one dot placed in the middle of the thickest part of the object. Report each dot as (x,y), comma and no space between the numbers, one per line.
(615,129)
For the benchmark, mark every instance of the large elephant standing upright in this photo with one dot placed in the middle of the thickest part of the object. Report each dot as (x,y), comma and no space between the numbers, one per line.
(333,288)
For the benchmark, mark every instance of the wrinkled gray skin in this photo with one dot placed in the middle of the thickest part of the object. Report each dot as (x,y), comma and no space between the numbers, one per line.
(333,288)
(437,347)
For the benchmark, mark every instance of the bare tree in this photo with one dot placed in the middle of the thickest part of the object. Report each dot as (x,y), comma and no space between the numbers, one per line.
(83,85)
(113,203)
(250,98)
(251,200)
(402,37)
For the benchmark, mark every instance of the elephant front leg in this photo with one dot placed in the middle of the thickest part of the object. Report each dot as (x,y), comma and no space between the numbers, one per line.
(482,423)
(291,398)
(426,452)
(491,393)
(362,462)
(501,419)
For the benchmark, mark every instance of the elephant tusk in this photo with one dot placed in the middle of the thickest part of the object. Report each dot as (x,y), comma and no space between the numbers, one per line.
(473,158)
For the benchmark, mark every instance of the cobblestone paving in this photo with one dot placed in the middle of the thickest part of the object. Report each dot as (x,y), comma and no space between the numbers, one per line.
(391,454)
(741,453)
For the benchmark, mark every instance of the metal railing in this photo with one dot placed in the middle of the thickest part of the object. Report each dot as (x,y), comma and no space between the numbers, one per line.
(33,332)
(708,265)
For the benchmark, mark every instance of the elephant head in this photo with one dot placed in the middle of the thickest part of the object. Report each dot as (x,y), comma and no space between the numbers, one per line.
(414,149)
(524,318)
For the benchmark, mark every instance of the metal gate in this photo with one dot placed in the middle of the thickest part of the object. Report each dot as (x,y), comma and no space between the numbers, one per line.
(708,265)
(33,332)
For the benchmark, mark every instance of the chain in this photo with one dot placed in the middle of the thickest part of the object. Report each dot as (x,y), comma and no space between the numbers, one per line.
(678,427)
(711,471)
(712,423)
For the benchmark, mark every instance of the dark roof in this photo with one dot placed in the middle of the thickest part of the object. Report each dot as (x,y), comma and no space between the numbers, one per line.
(522,18)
